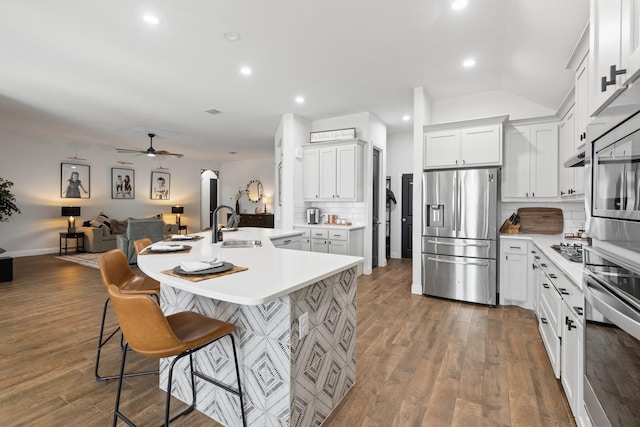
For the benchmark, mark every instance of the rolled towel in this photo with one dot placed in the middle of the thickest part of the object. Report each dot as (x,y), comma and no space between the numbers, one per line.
(191,266)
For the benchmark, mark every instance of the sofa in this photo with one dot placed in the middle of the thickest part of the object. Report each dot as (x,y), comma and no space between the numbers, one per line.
(152,228)
(101,233)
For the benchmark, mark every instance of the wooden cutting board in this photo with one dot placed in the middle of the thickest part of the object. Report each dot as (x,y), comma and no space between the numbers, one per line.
(541,220)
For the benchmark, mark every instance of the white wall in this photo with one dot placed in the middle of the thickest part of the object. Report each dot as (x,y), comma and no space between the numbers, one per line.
(399,155)
(487,104)
(236,175)
(32,162)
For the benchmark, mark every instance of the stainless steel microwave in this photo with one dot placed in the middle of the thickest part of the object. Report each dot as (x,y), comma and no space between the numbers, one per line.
(615,185)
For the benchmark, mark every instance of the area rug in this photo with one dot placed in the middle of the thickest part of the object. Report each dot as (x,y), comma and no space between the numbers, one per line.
(86,259)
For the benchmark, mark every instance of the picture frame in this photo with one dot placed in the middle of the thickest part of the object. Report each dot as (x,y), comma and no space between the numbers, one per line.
(123,182)
(75,181)
(160,185)
(332,135)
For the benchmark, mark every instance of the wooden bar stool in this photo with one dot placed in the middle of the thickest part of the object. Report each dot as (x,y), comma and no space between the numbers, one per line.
(140,244)
(150,333)
(115,270)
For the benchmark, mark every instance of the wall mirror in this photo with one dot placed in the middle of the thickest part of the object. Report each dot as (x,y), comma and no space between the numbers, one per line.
(254,191)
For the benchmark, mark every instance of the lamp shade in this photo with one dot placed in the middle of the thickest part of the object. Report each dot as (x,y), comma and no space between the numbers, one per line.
(70,211)
(177,209)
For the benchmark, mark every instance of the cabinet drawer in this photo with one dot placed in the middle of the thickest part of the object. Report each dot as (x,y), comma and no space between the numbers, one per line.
(306,232)
(553,302)
(338,234)
(513,247)
(550,340)
(573,296)
(320,233)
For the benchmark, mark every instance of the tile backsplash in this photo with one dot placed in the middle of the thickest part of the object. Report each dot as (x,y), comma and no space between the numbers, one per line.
(573,213)
(355,212)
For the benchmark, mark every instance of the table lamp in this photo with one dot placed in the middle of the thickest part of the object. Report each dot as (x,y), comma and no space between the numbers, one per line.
(177,210)
(265,199)
(71,212)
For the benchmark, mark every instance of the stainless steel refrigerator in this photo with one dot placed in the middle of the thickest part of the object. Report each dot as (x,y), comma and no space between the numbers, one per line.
(459,234)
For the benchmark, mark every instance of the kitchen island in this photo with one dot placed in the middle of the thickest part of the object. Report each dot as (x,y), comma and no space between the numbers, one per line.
(288,377)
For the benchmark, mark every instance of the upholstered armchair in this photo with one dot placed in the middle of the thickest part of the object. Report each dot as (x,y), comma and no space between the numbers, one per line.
(152,228)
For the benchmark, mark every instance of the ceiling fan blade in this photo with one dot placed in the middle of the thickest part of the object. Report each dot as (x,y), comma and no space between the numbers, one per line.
(126,150)
(166,153)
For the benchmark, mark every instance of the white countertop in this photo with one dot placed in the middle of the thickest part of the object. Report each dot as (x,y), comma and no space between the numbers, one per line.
(572,270)
(327,225)
(271,273)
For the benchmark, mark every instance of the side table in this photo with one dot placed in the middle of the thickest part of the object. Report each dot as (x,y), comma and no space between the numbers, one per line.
(182,227)
(79,241)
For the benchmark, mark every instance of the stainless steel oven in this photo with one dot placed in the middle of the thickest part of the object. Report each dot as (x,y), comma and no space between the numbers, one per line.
(612,339)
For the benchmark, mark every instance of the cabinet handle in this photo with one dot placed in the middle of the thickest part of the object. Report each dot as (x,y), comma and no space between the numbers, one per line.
(526,194)
(578,311)
(456,162)
(562,193)
(533,266)
(553,276)
(463,161)
(544,320)
(533,194)
(536,257)
(515,247)
(563,291)
(613,72)
(545,285)
(570,325)
(543,265)
(287,241)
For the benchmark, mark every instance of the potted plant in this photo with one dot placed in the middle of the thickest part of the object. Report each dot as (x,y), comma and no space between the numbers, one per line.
(7,202)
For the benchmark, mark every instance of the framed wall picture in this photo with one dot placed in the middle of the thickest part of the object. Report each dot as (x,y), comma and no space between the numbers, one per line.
(123,183)
(160,185)
(75,181)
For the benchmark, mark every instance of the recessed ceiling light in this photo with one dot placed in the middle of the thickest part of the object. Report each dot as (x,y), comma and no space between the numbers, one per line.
(233,152)
(468,63)
(246,71)
(232,36)
(151,19)
(300,99)
(406,118)
(459,4)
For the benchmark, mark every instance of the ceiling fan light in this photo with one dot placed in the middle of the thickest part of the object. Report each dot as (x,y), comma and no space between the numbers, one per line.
(151,154)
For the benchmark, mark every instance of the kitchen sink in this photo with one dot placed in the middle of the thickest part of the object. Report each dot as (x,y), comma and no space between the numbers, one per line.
(241,243)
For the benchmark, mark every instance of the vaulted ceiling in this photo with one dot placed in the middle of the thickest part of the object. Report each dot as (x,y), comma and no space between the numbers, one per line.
(89,72)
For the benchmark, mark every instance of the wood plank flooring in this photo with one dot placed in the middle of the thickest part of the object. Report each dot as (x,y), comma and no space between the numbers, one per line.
(420,361)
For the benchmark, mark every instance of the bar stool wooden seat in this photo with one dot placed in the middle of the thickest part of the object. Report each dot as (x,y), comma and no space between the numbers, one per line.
(140,244)
(115,270)
(150,333)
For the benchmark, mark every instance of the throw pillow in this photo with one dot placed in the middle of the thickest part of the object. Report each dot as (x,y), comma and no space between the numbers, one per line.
(118,227)
(101,221)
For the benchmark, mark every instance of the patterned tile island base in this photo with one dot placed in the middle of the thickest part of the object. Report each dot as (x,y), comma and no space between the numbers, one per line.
(286,381)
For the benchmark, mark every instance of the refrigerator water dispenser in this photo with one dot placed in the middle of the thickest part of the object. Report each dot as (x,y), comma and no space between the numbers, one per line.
(436,215)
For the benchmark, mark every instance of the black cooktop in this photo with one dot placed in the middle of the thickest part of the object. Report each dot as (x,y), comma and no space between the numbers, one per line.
(571,252)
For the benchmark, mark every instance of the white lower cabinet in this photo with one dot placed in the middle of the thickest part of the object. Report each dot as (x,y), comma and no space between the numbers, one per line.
(332,240)
(572,363)
(514,266)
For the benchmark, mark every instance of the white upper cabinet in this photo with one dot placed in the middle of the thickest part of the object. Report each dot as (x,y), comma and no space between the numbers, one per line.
(531,162)
(464,144)
(614,49)
(333,172)
(582,105)
(571,179)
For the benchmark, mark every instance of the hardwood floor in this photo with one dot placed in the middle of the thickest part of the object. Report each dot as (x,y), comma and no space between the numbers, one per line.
(420,361)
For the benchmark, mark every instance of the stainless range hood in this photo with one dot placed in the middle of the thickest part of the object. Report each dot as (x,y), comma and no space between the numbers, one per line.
(576,160)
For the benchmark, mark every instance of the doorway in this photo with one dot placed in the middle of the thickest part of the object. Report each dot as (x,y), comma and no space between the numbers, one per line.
(375,238)
(208,197)
(407,215)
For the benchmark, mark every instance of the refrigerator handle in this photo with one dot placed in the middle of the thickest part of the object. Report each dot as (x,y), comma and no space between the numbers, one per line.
(482,244)
(458,202)
(481,264)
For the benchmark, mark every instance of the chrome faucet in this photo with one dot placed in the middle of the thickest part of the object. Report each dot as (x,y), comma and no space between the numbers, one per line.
(234,214)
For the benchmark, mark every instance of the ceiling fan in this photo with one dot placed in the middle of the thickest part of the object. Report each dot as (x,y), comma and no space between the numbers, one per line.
(151,152)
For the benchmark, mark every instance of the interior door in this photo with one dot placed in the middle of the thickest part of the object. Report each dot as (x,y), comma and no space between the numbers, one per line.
(407,215)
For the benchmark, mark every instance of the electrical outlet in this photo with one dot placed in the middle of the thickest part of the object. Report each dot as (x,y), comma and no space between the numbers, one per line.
(303,324)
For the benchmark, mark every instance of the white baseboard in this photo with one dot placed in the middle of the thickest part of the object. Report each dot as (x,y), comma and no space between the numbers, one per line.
(31,252)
